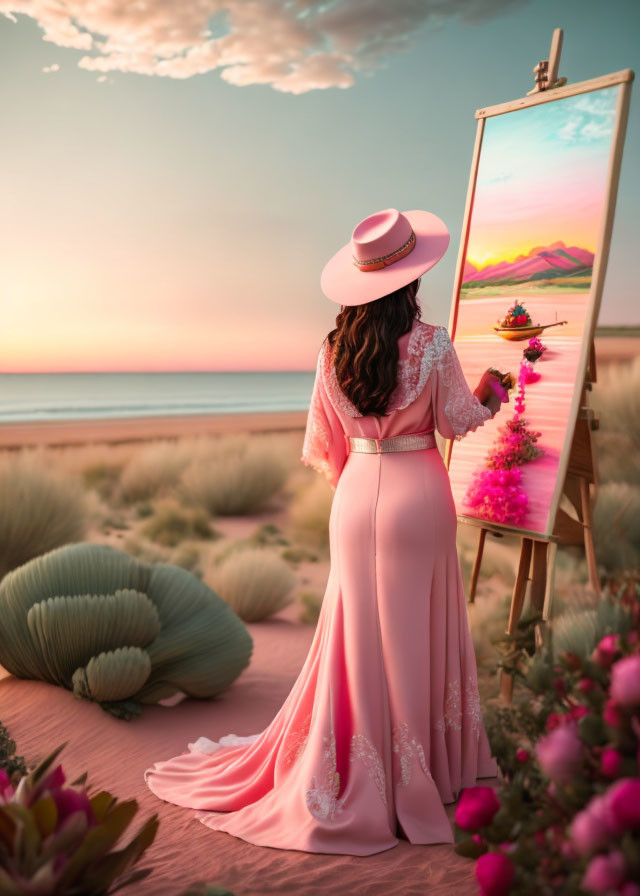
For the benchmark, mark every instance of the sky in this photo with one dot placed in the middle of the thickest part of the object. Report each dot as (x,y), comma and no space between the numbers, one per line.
(174,176)
(542,177)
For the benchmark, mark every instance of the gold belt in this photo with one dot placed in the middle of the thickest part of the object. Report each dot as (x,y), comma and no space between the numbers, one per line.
(406,442)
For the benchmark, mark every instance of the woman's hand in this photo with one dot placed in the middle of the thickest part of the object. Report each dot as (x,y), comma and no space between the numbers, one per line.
(490,391)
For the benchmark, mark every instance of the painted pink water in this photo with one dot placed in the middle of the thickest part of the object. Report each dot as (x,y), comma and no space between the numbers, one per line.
(547,402)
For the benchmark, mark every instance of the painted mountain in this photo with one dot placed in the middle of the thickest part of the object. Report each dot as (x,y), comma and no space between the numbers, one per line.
(546,263)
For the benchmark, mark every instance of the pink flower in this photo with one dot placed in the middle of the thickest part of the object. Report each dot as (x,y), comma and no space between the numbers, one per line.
(625,681)
(589,830)
(610,762)
(579,711)
(586,684)
(612,714)
(553,720)
(559,753)
(476,808)
(604,873)
(606,651)
(494,873)
(623,804)
(629,889)
(69,801)
(522,755)
(6,790)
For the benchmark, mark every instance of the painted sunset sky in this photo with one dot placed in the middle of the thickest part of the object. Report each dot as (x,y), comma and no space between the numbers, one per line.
(542,177)
(174,176)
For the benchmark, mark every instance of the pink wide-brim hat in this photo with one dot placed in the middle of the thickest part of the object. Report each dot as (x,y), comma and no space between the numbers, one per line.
(387,250)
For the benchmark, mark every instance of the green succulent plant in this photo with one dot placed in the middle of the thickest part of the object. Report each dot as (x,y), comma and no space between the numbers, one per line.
(115,630)
(56,839)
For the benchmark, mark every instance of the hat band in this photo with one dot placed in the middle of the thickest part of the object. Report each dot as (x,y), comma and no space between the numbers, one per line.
(376,264)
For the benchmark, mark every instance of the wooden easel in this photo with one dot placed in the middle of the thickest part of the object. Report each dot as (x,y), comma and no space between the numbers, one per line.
(538,553)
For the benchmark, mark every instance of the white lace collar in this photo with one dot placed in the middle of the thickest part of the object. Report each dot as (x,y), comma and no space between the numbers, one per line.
(412,371)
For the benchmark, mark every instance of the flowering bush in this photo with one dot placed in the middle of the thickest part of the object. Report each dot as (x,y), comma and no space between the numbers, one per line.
(56,839)
(566,818)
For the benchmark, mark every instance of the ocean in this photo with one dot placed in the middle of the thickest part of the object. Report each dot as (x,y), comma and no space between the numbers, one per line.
(82,396)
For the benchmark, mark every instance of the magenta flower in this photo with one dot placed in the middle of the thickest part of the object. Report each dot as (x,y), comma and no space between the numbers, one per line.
(69,801)
(476,808)
(6,790)
(589,830)
(606,650)
(559,753)
(625,681)
(610,762)
(629,889)
(612,714)
(494,873)
(522,755)
(604,873)
(623,804)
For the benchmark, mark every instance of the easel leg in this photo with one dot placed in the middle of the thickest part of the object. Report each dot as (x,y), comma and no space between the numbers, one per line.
(517,602)
(476,566)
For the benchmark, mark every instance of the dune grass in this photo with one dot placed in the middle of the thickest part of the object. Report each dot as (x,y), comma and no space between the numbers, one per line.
(255,582)
(40,508)
(171,523)
(237,474)
(309,512)
(155,469)
(311,606)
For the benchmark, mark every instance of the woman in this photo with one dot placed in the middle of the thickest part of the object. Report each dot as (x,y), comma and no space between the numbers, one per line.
(383,725)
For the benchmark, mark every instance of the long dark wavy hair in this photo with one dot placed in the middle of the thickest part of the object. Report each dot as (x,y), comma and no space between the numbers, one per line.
(365,350)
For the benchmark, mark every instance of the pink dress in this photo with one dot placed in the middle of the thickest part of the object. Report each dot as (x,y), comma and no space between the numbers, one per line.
(383,725)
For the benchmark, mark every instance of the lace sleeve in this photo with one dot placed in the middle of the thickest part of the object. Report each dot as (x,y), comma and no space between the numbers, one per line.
(457,411)
(324,447)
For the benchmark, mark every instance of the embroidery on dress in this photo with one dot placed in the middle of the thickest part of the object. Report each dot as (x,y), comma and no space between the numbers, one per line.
(362,748)
(295,741)
(452,717)
(454,710)
(317,436)
(407,750)
(472,705)
(463,409)
(322,798)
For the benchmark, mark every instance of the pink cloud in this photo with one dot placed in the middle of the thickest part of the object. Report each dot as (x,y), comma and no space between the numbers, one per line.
(292,45)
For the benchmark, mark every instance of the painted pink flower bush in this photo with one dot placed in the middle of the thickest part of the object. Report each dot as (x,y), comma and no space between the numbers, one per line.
(566,818)
(496,492)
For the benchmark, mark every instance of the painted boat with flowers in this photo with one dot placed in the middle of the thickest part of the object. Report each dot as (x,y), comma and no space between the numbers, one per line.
(517,333)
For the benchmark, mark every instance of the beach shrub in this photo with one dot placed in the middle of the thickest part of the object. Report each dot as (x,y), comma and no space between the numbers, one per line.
(311,606)
(155,469)
(171,523)
(296,554)
(616,525)
(57,839)
(565,818)
(40,508)
(102,476)
(118,631)
(237,475)
(310,510)
(187,555)
(9,760)
(255,582)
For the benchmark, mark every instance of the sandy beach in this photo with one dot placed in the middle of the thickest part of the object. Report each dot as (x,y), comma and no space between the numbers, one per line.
(140,429)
